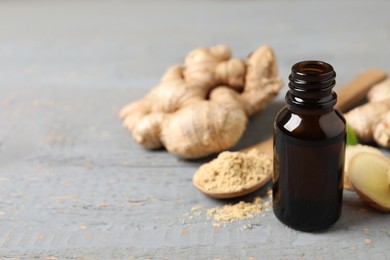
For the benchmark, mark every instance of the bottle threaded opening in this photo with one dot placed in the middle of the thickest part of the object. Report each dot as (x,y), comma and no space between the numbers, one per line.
(312,75)
(311,84)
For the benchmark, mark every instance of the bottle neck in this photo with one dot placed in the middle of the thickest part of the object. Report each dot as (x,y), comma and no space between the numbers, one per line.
(311,87)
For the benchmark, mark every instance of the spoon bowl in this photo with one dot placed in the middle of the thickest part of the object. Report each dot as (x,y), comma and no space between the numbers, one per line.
(234,194)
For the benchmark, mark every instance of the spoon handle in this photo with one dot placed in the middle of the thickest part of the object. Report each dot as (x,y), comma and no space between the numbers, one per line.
(355,91)
(348,96)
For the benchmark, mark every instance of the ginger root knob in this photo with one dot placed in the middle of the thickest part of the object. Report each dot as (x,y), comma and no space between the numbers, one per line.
(202,107)
(371,121)
(365,118)
(382,131)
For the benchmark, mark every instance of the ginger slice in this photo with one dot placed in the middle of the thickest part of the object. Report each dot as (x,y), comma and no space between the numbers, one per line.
(368,174)
(388,177)
(350,152)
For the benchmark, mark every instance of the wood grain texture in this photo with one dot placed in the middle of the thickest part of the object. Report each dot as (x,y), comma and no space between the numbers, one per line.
(73,184)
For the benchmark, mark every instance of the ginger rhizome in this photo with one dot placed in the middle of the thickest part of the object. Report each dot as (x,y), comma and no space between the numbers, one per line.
(371,121)
(202,106)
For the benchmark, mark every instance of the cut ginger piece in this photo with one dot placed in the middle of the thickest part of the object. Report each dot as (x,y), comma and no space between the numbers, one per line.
(368,175)
(388,177)
(350,152)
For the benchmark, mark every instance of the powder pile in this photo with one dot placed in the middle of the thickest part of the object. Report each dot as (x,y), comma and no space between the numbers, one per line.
(234,171)
(224,215)
(239,211)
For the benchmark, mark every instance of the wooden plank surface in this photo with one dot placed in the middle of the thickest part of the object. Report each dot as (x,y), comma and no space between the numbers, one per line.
(74,185)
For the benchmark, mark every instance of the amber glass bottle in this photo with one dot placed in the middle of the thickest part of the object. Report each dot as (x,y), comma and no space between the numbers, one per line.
(309,148)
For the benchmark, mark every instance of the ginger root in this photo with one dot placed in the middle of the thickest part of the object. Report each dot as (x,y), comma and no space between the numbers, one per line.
(202,107)
(382,130)
(379,92)
(371,121)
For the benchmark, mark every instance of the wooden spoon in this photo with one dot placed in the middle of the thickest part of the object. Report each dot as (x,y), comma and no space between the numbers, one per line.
(348,96)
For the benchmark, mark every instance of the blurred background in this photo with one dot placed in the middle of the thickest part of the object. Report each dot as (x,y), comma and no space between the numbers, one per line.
(114,43)
(72,181)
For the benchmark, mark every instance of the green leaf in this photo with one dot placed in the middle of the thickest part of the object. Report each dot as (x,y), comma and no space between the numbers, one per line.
(351,136)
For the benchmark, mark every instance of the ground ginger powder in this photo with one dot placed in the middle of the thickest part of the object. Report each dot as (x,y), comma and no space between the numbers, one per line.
(234,171)
(239,211)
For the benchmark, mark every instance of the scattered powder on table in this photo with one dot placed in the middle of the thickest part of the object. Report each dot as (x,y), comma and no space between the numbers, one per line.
(234,171)
(239,211)
(224,215)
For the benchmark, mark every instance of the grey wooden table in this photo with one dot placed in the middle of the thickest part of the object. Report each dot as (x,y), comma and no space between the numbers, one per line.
(74,185)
